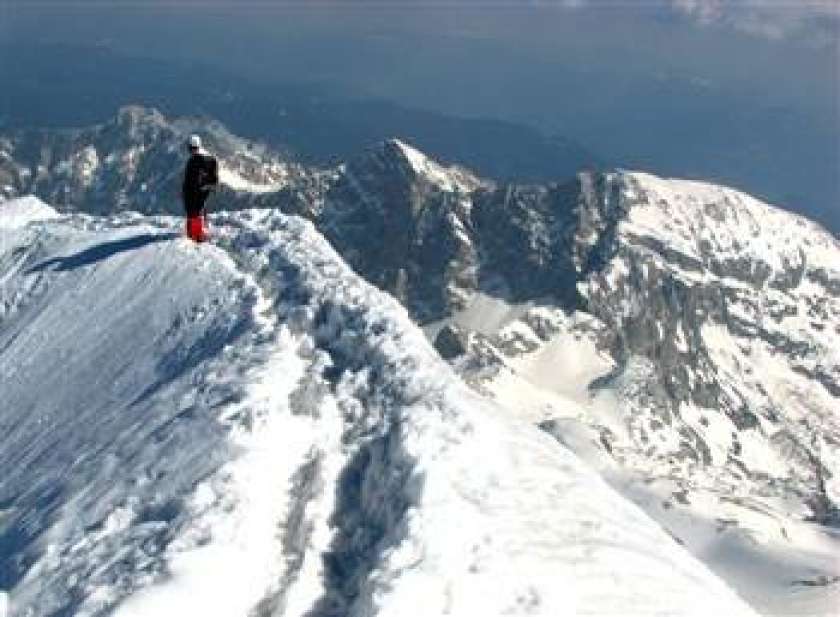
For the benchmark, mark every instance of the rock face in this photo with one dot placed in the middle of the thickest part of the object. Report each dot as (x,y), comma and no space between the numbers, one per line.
(720,318)
(434,236)
(399,219)
(734,305)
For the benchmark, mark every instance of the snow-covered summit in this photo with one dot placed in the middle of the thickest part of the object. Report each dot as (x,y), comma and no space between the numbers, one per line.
(250,428)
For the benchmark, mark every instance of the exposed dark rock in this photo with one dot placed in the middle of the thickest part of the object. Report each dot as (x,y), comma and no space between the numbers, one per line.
(451,342)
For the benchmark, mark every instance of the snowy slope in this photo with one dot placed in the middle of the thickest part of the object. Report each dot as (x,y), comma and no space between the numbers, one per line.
(249,429)
(109,400)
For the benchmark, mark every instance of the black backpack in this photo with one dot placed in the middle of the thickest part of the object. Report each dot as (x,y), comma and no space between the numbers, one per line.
(208,172)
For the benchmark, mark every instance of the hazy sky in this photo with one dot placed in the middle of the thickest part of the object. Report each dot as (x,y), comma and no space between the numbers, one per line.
(476,57)
(634,79)
(441,51)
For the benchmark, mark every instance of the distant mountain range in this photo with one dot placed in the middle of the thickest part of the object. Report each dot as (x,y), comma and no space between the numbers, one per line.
(768,151)
(63,86)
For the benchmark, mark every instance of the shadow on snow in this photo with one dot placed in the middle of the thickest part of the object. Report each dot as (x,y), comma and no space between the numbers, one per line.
(103,251)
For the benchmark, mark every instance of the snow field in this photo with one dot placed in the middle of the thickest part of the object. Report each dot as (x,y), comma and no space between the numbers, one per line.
(774,561)
(231,553)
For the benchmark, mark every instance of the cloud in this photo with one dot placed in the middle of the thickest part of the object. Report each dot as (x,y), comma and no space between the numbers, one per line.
(704,11)
(815,21)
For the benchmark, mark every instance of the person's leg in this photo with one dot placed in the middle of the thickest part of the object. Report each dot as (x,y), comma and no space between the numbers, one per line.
(201,231)
(205,232)
(195,219)
(191,227)
(203,215)
(189,211)
(196,228)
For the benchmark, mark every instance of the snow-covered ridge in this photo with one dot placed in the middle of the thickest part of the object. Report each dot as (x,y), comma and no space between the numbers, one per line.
(178,405)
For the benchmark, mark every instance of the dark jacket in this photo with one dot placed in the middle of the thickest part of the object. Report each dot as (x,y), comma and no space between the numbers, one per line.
(200,176)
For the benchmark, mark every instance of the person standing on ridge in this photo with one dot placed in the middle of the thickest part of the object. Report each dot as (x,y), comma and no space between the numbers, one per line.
(200,178)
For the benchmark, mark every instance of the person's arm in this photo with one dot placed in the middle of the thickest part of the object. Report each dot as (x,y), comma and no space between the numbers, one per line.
(184,183)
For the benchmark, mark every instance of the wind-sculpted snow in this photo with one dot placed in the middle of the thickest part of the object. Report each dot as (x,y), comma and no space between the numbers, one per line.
(114,365)
(253,430)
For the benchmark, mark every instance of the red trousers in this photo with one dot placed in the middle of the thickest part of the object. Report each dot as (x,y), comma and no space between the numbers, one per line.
(196,228)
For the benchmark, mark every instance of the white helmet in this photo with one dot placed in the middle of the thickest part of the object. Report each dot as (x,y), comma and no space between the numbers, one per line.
(194,141)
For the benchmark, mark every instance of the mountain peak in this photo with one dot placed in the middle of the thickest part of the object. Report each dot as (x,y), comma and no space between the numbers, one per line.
(707,221)
(448,178)
(138,114)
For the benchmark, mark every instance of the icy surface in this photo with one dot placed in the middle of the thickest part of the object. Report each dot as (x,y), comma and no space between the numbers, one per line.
(248,428)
